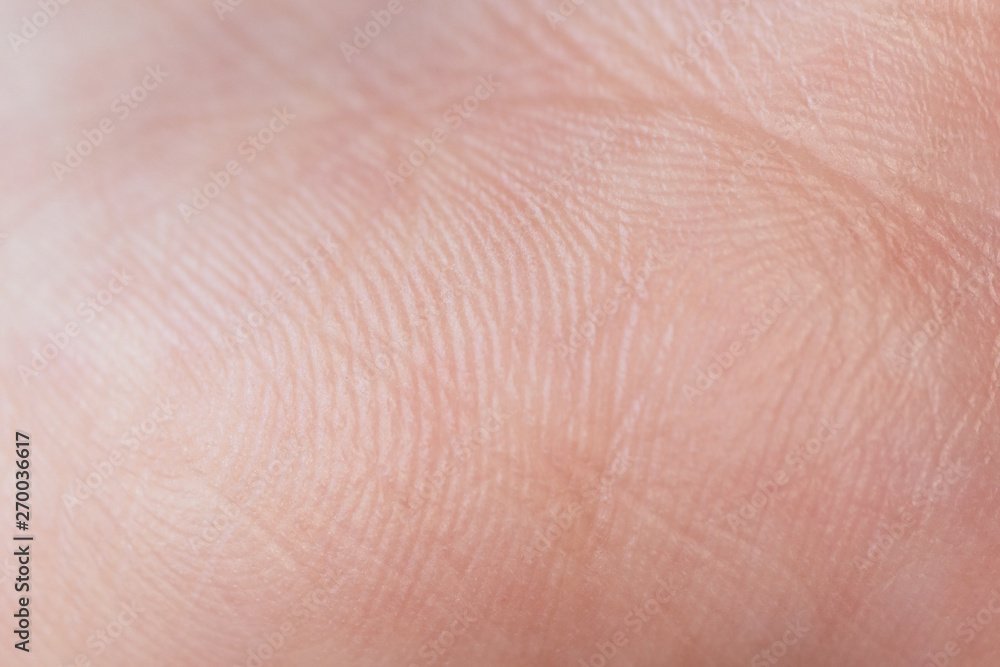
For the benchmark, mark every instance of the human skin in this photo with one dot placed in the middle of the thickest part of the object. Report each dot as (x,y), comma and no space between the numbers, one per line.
(353,526)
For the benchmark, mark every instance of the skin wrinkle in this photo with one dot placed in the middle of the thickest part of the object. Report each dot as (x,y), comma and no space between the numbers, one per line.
(578,594)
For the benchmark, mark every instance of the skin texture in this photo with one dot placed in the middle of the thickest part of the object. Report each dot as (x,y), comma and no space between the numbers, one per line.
(417,451)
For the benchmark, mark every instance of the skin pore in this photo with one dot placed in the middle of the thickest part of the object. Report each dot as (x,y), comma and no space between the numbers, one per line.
(447,330)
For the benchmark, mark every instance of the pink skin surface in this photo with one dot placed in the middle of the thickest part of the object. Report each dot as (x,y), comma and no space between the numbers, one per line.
(665,334)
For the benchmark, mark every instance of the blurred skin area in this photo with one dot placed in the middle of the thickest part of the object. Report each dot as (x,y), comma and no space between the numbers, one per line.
(679,347)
